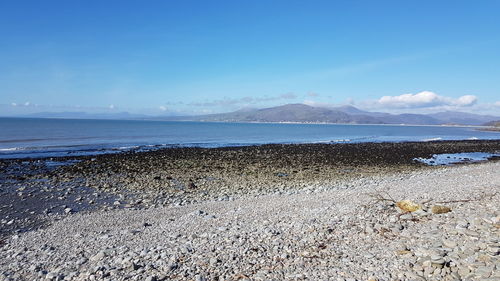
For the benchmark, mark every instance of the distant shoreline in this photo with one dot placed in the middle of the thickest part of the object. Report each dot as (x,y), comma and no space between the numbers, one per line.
(490,129)
(255,122)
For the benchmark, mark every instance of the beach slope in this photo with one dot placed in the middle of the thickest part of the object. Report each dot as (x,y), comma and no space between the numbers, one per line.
(343,233)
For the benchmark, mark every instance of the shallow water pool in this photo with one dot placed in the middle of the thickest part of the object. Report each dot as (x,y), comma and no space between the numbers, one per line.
(456,158)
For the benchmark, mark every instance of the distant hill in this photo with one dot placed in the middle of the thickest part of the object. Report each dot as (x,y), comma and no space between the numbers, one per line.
(286,113)
(493,123)
(349,109)
(413,119)
(300,113)
(454,117)
(306,113)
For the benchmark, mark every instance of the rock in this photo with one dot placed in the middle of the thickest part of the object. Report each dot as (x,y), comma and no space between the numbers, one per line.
(199,278)
(472,233)
(406,217)
(408,206)
(68,210)
(464,271)
(449,244)
(402,252)
(421,213)
(81,261)
(439,261)
(51,275)
(97,257)
(462,224)
(439,209)
(213,261)
(484,271)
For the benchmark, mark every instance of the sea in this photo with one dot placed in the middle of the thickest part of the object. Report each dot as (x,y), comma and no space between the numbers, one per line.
(41,138)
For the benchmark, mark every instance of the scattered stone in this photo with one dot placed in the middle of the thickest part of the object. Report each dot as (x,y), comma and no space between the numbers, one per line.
(97,257)
(408,206)
(449,243)
(439,209)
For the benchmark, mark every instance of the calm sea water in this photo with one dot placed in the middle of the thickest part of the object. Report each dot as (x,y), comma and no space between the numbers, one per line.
(27,137)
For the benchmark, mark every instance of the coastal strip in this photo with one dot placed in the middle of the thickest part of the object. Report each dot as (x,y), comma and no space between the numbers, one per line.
(338,234)
(35,192)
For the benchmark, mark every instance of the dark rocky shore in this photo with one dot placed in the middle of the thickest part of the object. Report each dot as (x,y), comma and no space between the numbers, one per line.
(186,175)
(35,191)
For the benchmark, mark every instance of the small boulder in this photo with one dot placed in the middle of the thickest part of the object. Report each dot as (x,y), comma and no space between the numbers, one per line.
(408,206)
(439,209)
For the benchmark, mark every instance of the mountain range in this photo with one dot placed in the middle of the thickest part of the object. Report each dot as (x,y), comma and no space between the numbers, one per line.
(343,114)
(301,113)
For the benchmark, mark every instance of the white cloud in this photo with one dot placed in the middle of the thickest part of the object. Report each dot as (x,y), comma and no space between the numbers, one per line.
(26,104)
(163,108)
(497,103)
(111,106)
(466,100)
(312,94)
(424,99)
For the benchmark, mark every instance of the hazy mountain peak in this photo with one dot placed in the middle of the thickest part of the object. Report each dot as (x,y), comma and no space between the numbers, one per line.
(292,106)
(246,109)
(350,109)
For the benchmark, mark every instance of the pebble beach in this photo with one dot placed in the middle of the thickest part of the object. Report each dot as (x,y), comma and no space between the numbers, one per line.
(272,212)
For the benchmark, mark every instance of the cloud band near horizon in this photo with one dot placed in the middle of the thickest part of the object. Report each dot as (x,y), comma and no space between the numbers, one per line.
(424,101)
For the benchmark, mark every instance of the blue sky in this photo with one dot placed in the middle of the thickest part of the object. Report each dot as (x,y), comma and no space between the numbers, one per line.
(164,57)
